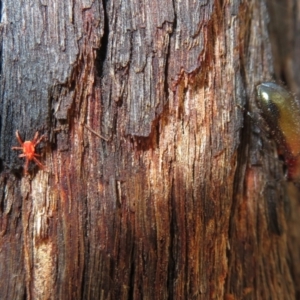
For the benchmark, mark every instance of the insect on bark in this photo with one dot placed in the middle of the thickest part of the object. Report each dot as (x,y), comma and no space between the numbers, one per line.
(282,114)
(28,148)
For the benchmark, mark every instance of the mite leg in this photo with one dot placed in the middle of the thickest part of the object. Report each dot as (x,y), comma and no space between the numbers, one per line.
(39,163)
(19,138)
(26,166)
(17,148)
(36,141)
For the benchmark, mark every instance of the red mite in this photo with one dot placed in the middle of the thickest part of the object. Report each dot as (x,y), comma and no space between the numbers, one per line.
(28,148)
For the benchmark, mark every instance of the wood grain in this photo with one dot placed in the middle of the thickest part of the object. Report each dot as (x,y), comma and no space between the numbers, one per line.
(184,197)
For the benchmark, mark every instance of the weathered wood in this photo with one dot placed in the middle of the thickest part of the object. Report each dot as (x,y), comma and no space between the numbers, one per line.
(178,194)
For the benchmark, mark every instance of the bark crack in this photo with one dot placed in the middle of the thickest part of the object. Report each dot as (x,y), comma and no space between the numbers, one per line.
(102,51)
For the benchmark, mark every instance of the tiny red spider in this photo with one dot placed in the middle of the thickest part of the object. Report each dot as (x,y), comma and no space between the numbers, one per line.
(28,148)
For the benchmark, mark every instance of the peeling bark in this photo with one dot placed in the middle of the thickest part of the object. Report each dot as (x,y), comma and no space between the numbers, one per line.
(159,186)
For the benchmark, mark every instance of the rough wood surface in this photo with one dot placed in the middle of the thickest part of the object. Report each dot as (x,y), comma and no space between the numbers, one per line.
(159,186)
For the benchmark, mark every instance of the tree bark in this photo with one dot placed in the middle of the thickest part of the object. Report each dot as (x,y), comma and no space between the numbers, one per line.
(158,185)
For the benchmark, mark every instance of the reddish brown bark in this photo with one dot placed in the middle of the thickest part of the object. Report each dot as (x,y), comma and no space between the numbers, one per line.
(159,186)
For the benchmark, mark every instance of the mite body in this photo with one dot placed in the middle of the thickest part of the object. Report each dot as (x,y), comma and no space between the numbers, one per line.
(282,114)
(28,148)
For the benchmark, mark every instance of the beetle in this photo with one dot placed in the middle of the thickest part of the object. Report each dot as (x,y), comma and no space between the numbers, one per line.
(28,148)
(282,114)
